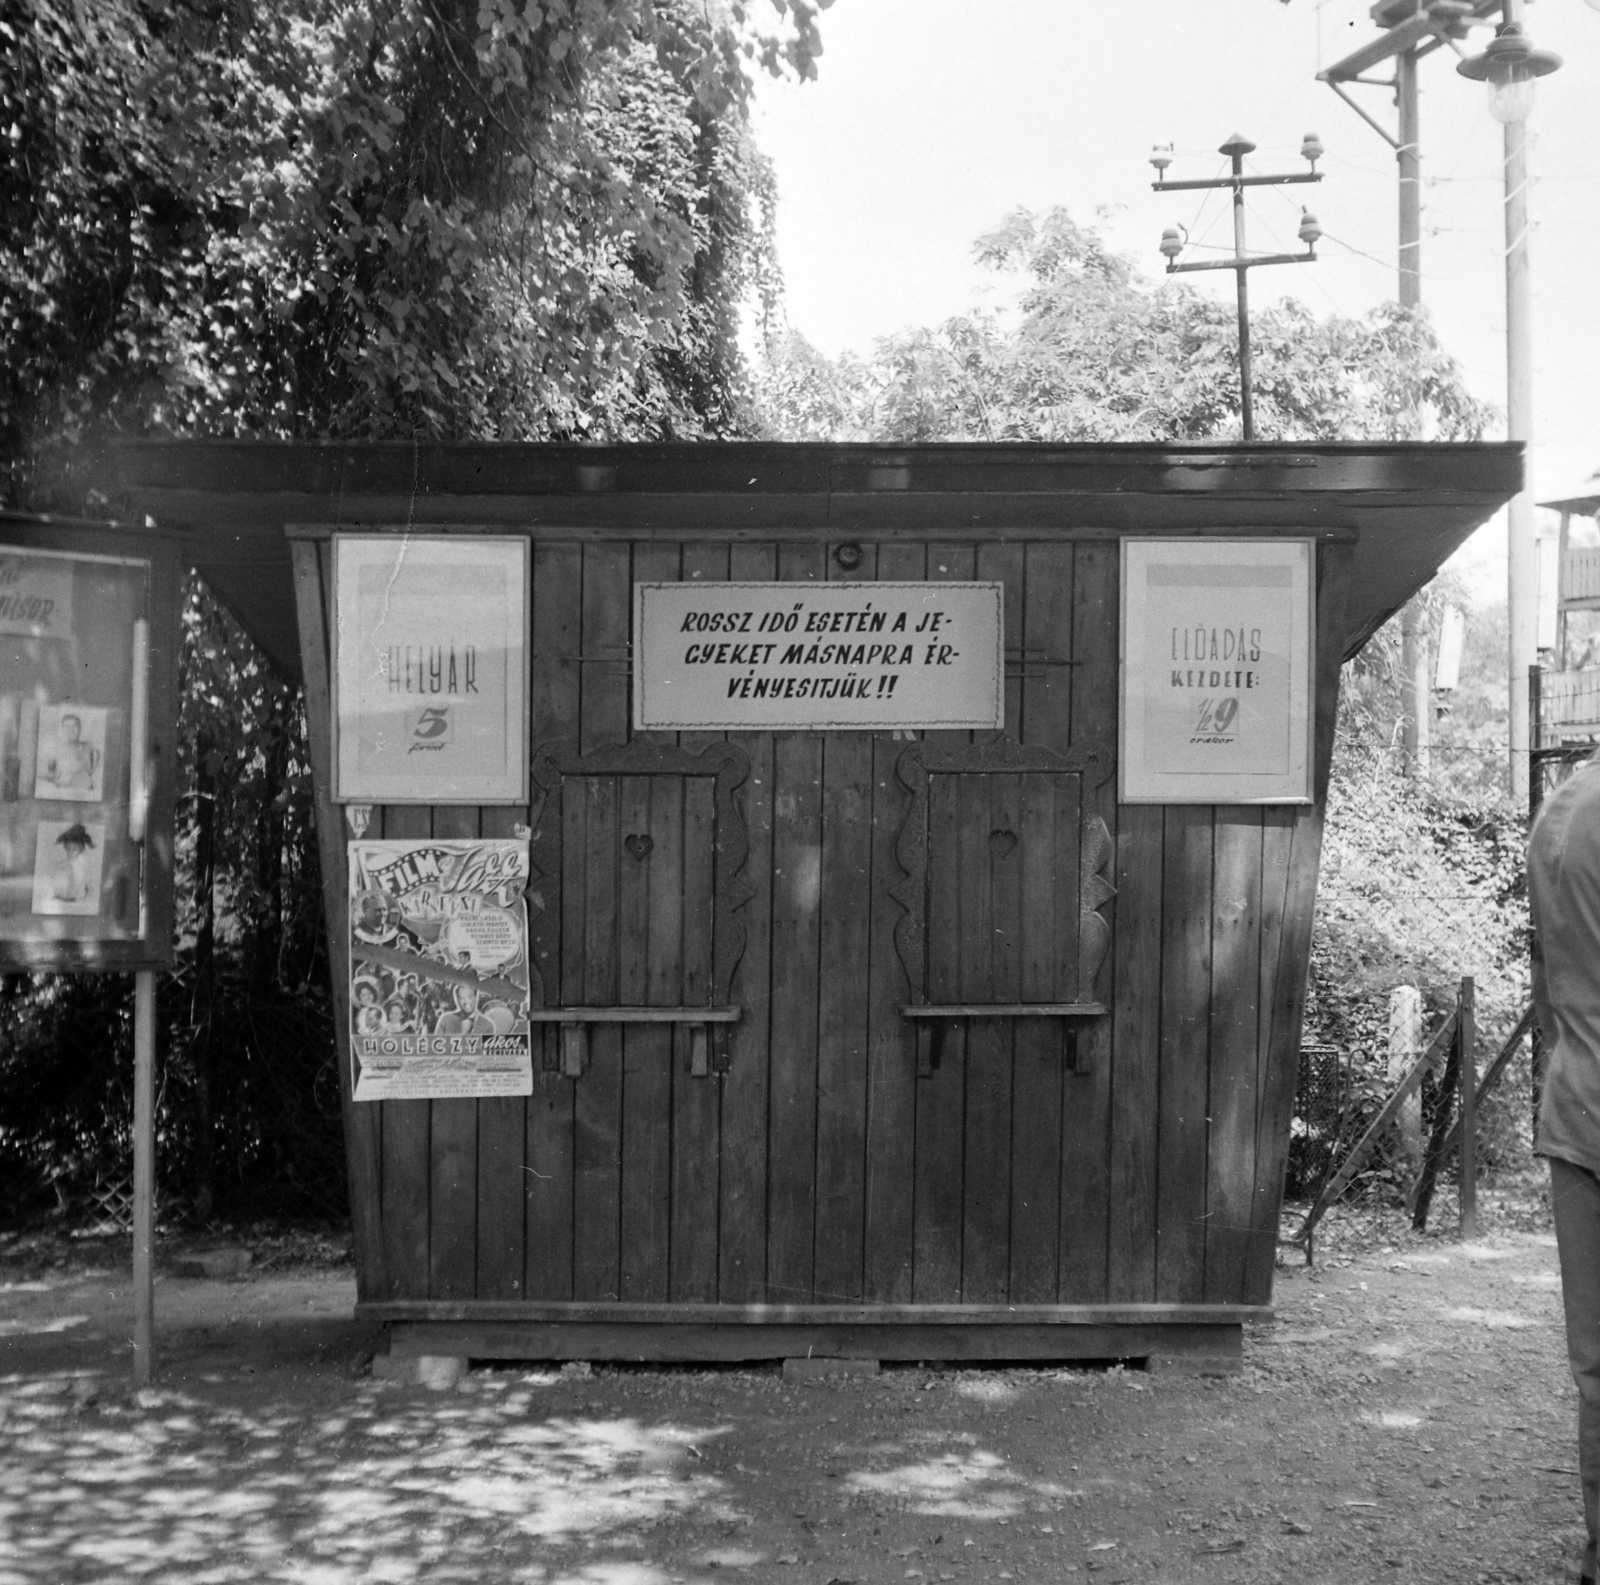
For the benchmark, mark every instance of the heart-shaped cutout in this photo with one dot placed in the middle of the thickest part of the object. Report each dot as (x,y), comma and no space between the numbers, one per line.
(639,845)
(1002,844)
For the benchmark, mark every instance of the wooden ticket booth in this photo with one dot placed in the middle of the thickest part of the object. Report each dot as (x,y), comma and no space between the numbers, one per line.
(894,981)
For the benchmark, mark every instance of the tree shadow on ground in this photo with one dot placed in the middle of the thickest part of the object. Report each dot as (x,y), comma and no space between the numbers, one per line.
(385,1483)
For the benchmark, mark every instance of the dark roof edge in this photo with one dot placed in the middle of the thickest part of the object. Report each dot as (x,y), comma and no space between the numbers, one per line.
(750,469)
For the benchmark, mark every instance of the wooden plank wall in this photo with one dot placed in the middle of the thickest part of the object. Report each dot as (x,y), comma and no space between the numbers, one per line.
(819,1168)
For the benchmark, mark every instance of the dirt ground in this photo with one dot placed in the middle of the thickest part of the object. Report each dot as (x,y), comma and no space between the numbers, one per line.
(1408,1416)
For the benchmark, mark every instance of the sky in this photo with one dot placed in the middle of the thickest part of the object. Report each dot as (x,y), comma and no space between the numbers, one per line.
(930,120)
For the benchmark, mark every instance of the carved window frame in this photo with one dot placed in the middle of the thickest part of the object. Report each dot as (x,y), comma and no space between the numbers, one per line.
(919,762)
(728,765)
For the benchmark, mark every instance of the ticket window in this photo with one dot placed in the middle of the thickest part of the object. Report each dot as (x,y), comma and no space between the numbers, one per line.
(74,754)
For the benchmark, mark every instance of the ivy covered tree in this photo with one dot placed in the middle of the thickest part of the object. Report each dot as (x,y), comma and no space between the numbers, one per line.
(362,219)
(1095,352)
(381,218)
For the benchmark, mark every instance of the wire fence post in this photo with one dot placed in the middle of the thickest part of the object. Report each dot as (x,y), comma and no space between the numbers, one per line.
(1536,775)
(1467,1081)
(1445,1090)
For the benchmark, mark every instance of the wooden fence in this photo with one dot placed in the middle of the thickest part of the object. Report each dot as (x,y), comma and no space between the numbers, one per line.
(1569,702)
(1453,1049)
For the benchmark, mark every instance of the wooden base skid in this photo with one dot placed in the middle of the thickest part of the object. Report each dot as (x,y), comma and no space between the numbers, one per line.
(1201,1345)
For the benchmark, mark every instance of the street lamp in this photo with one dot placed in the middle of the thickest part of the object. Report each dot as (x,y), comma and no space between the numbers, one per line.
(1510,65)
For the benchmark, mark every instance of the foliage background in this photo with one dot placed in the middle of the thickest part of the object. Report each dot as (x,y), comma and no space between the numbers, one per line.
(1422,882)
(1091,350)
(353,219)
(380,218)
(449,219)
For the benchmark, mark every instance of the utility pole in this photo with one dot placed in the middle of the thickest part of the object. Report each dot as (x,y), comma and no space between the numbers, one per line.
(1409,156)
(1416,698)
(1511,66)
(1237,147)
(1173,242)
(1413,30)
(1416,693)
(1522,586)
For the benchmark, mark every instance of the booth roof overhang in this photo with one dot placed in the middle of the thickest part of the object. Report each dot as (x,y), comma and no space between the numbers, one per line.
(1405,505)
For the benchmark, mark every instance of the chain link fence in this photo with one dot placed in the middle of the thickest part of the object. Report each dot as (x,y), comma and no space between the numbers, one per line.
(1321,1104)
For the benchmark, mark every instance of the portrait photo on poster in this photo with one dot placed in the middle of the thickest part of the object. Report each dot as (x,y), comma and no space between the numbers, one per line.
(71,760)
(68,859)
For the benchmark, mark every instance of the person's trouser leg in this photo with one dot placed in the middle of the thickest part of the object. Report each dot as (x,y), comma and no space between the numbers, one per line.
(1575,1197)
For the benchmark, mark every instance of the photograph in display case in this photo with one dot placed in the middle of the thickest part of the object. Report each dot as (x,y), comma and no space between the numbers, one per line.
(71,757)
(67,867)
(74,638)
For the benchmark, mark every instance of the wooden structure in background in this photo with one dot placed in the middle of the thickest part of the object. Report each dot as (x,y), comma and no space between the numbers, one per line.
(1566,697)
(1075,1147)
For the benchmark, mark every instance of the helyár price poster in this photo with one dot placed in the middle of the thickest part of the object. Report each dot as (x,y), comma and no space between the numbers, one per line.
(429,668)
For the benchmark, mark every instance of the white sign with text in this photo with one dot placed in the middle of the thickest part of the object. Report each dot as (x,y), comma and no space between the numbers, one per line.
(430,668)
(1217,671)
(795,657)
(35,594)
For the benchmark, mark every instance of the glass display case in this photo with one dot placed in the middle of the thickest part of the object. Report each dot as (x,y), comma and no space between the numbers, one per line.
(87,640)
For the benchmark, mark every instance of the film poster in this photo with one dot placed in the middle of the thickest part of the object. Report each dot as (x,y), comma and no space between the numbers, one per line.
(439,983)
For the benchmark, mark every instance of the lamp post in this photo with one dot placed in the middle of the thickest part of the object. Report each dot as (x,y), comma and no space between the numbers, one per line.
(1173,240)
(1510,66)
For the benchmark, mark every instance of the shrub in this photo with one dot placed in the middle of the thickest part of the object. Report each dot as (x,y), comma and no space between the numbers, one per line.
(1422,883)
(247,1109)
